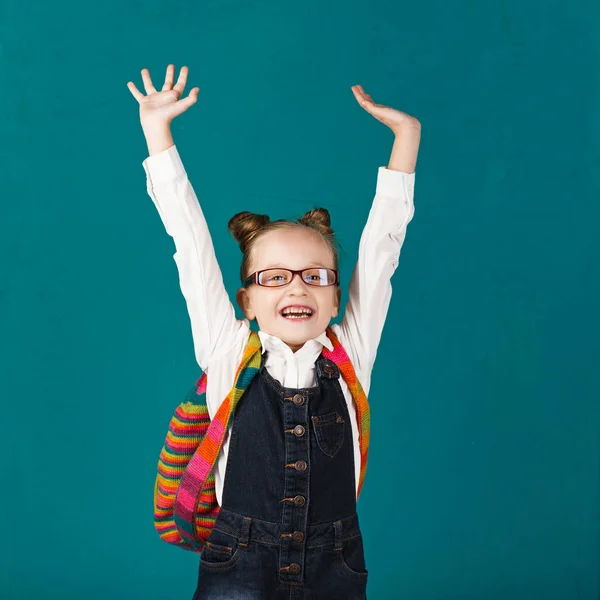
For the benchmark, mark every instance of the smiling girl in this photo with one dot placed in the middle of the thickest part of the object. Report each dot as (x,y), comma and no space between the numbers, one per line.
(293,460)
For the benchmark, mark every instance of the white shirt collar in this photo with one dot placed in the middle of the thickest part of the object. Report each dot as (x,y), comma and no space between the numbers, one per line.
(271,342)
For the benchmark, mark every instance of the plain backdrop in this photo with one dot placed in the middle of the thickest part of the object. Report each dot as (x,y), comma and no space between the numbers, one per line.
(484,470)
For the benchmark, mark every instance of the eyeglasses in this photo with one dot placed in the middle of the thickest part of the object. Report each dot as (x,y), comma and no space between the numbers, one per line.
(317,276)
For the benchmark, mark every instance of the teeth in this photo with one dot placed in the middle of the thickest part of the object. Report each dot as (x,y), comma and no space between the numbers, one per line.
(297,311)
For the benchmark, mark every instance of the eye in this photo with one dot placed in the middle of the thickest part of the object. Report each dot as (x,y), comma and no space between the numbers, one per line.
(275,280)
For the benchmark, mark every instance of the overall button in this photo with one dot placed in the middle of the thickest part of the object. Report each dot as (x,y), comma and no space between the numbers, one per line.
(299,431)
(298,536)
(328,369)
(300,465)
(298,399)
(299,500)
(294,568)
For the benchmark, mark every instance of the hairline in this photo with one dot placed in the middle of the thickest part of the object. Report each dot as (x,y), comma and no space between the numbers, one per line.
(282,224)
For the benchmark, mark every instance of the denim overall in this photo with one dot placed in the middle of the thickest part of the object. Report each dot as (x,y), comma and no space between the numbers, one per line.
(288,527)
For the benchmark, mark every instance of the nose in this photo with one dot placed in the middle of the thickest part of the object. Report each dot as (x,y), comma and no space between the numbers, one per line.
(297,283)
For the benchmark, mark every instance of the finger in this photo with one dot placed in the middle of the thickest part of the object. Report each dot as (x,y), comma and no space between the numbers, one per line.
(358,94)
(367,96)
(190,100)
(181,81)
(168,85)
(373,109)
(135,92)
(148,82)
(364,101)
(367,101)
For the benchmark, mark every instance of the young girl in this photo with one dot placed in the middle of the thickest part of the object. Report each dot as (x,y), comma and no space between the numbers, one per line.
(288,474)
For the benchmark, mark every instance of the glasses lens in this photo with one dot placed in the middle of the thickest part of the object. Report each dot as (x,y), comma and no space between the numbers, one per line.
(319,276)
(274,277)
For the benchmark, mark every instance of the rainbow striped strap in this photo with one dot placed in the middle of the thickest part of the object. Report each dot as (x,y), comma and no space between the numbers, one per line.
(340,358)
(202,463)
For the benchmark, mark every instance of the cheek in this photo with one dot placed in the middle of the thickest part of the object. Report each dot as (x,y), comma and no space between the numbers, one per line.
(267,303)
(327,304)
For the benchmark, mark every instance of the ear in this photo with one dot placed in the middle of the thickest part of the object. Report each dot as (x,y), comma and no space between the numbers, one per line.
(245,303)
(336,303)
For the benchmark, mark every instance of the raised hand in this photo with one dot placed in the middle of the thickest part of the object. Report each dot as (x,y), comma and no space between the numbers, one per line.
(160,108)
(396,120)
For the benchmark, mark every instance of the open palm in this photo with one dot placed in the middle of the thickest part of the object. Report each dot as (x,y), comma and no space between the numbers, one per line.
(166,104)
(396,120)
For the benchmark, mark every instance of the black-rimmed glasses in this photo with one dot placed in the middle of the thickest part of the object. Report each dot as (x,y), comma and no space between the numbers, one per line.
(317,276)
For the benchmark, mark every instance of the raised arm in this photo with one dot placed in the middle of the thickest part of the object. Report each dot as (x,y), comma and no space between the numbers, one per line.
(370,287)
(214,325)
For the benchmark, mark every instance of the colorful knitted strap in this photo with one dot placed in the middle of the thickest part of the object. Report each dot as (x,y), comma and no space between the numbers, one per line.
(205,457)
(340,358)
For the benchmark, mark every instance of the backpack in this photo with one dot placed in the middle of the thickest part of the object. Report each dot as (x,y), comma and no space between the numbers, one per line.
(185,502)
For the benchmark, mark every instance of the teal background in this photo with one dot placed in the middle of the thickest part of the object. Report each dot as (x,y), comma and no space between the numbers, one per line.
(484,472)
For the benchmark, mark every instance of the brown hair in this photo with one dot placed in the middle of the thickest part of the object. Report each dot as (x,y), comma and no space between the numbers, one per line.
(248,227)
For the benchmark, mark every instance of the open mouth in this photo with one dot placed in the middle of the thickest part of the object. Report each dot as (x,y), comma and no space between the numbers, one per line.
(297,313)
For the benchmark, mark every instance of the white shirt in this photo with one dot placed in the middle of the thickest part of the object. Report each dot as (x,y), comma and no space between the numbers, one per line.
(220,338)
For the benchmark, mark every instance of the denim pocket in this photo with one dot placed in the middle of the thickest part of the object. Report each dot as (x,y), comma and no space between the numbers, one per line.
(220,551)
(352,557)
(329,432)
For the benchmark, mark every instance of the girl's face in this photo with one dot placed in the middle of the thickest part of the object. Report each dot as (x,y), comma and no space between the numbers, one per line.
(297,248)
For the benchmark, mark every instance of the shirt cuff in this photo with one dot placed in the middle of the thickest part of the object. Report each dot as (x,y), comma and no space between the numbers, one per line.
(393,184)
(164,166)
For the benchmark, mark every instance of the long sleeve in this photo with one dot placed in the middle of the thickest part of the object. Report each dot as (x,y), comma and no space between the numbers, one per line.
(215,327)
(370,288)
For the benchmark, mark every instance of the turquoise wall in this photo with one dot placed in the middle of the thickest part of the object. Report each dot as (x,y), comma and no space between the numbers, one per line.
(484,473)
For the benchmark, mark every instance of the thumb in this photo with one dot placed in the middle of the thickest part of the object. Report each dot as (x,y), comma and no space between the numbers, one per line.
(183,104)
(375,109)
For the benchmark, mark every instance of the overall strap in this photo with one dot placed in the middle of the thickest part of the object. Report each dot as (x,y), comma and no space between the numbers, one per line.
(340,358)
(200,467)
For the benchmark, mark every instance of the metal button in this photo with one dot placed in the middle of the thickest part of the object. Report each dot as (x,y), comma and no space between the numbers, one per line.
(300,465)
(298,399)
(298,536)
(328,369)
(294,568)
(299,431)
(299,500)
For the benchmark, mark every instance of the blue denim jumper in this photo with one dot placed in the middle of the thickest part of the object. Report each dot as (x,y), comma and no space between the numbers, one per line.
(288,527)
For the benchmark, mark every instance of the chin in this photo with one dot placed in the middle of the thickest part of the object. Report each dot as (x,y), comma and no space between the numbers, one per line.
(300,337)
(294,333)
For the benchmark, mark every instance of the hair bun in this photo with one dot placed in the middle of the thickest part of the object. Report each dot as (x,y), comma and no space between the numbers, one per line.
(244,226)
(319,219)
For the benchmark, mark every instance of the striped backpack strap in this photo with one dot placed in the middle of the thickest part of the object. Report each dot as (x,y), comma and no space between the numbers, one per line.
(189,511)
(340,358)
(187,428)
